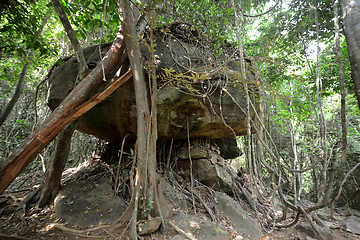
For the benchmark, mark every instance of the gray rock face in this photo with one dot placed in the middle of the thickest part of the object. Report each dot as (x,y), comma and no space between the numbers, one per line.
(309,231)
(237,215)
(351,224)
(173,196)
(208,166)
(63,76)
(202,93)
(213,175)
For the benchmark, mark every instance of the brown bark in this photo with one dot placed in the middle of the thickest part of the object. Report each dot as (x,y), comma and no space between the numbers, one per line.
(142,186)
(51,183)
(145,200)
(70,109)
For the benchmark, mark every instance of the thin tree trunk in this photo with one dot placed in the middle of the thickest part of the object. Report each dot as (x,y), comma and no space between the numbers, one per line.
(51,183)
(322,123)
(260,129)
(20,84)
(350,16)
(343,91)
(296,175)
(15,97)
(73,39)
(238,24)
(69,110)
(239,19)
(147,200)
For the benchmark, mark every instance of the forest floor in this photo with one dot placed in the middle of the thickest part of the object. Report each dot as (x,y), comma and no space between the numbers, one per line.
(46,224)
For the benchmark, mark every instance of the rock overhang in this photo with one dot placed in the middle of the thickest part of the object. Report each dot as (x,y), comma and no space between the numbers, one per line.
(200,94)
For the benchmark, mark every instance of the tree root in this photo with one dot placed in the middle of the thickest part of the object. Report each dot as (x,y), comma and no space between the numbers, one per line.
(208,209)
(80,233)
(290,224)
(40,196)
(50,185)
(313,225)
(130,216)
(14,237)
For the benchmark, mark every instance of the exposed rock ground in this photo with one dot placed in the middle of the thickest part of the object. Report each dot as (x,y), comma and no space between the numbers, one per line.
(89,201)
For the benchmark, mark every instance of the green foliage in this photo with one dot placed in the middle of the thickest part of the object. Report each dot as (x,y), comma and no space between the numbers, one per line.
(19,24)
(89,17)
(330,69)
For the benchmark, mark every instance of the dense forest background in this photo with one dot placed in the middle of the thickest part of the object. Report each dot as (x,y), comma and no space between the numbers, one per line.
(305,132)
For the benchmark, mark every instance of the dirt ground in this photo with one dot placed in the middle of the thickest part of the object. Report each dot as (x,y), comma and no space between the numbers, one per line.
(45,224)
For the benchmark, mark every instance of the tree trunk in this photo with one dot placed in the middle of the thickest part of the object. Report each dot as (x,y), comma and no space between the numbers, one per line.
(15,97)
(321,118)
(145,201)
(70,109)
(296,175)
(351,15)
(50,185)
(343,91)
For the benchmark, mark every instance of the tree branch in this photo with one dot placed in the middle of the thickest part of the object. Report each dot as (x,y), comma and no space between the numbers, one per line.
(261,14)
(73,39)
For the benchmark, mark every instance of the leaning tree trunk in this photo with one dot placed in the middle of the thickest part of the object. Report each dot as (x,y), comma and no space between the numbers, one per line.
(351,15)
(50,185)
(71,108)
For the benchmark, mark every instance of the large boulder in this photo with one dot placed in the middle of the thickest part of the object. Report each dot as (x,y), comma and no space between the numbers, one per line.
(200,94)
